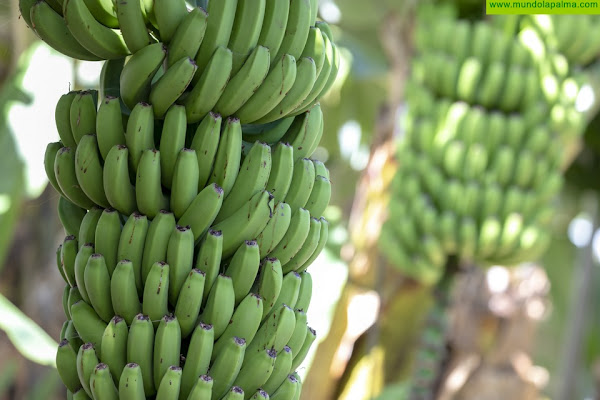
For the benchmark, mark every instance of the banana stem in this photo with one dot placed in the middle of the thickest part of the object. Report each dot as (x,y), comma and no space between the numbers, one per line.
(433,353)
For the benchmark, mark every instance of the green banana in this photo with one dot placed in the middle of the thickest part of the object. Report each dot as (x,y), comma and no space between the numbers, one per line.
(219,305)
(323,236)
(202,389)
(296,30)
(87,229)
(247,222)
(109,125)
(271,92)
(172,85)
(102,385)
(270,133)
(25,9)
(123,292)
(64,170)
(62,117)
(275,331)
(184,187)
(249,16)
(252,178)
(86,362)
(100,40)
(260,395)
(197,362)
(255,371)
(131,383)
(169,15)
(274,24)
(167,347)
(148,191)
(290,289)
(294,237)
(65,301)
(66,365)
(67,258)
(110,77)
(275,229)
(218,30)
(88,170)
(114,346)
(79,266)
(132,24)
(117,185)
(305,133)
(206,143)
(106,238)
(226,367)
(235,393)
(269,283)
(188,36)
(244,323)
(281,369)
(88,324)
(50,26)
(139,135)
(59,264)
(282,169)
(305,78)
(140,349)
(97,285)
(104,11)
(308,247)
(180,257)
(209,259)
(49,157)
(131,245)
(172,141)
(155,299)
(319,197)
(170,384)
(242,85)
(203,210)
(159,232)
(81,395)
(297,339)
(311,335)
(243,268)
(210,84)
(229,154)
(138,73)
(189,301)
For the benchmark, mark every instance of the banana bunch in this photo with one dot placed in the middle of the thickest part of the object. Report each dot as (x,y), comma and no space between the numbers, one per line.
(480,161)
(258,60)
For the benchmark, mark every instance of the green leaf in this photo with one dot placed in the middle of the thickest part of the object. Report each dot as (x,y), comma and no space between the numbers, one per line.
(27,337)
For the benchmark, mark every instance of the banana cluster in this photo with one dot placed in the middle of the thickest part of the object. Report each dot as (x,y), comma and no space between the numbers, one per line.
(480,162)
(258,60)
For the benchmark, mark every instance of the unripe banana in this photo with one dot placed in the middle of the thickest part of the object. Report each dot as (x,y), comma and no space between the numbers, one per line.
(104,11)
(275,331)
(296,31)
(87,229)
(49,157)
(290,289)
(226,366)
(308,247)
(203,210)
(246,223)
(269,283)
(83,114)
(64,170)
(205,143)
(167,347)
(66,365)
(139,72)
(59,264)
(270,133)
(97,285)
(155,299)
(219,305)
(245,31)
(209,259)
(297,339)
(123,291)
(88,170)
(319,196)
(274,24)
(202,388)
(197,362)
(81,260)
(70,216)
(131,384)
(65,301)
(243,268)
(210,85)
(114,346)
(148,191)
(67,256)
(282,169)
(159,232)
(255,371)
(275,229)
(218,30)
(109,125)
(88,324)
(140,349)
(117,186)
(305,292)
(86,362)
(102,385)
(229,154)
(323,236)
(172,141)
(170,384)
(184,187)
(311,335)
(305,133)
(131,245)
(188,36)
(139,135)
(189,301)
(180,257)
(294,238)
(172,85)
(281,369)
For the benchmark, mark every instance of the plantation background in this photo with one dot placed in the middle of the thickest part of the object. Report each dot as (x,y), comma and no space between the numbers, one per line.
(533,330)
